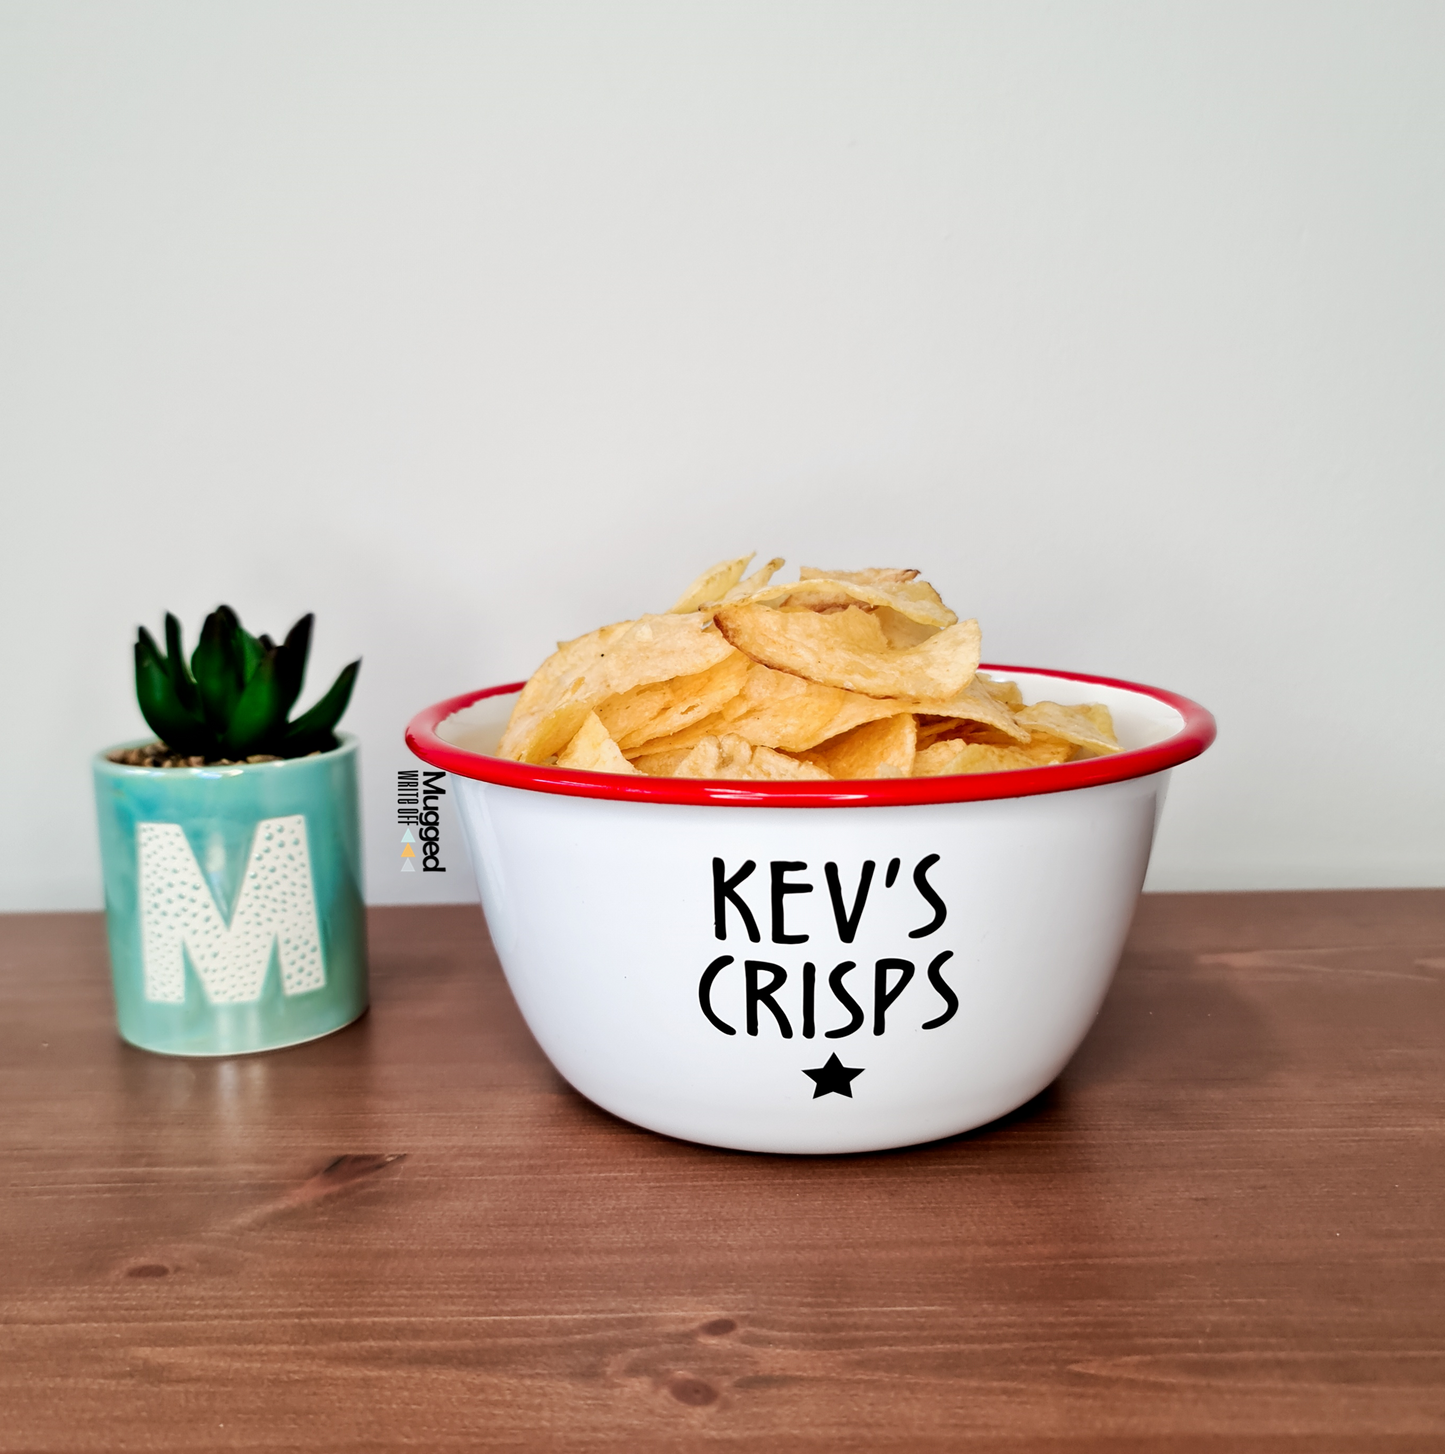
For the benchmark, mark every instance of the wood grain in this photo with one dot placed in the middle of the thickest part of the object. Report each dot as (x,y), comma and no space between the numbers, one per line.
(1222,1229)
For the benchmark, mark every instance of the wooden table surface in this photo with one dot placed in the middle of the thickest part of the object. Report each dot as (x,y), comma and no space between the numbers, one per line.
(1222,1229)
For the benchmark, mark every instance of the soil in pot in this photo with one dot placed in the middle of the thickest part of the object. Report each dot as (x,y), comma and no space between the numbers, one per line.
(157,754)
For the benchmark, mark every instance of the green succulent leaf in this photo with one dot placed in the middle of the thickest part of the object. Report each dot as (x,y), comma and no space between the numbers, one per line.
(180,729)
(315,731)
(216,666)
(175,661)
(260,716)
(249,652)
(291,667)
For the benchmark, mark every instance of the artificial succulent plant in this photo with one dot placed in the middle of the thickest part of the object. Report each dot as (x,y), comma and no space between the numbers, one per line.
(233,700)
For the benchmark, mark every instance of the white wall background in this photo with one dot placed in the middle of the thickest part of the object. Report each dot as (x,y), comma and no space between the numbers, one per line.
(470,326)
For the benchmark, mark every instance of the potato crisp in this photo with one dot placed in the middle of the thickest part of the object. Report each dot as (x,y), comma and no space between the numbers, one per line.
(839,674)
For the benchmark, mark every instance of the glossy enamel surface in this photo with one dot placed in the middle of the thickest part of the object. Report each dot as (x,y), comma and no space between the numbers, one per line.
(605,915)
(216,821)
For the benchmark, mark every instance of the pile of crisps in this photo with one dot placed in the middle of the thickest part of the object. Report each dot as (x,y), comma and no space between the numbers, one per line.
(839,674)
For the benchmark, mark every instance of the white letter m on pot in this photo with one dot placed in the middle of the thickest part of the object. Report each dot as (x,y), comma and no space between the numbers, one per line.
(276,905)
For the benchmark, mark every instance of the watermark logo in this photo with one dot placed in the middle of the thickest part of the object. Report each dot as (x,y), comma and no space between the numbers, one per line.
(418,793)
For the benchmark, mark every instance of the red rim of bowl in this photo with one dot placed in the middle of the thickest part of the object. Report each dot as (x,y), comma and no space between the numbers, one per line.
(1193,737)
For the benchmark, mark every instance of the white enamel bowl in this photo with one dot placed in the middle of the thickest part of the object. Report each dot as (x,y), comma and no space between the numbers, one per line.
(993,917)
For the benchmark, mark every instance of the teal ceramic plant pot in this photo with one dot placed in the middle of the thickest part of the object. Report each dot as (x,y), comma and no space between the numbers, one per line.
(233,901)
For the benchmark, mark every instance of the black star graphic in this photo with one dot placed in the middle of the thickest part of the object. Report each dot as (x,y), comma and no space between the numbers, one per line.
(834,1078)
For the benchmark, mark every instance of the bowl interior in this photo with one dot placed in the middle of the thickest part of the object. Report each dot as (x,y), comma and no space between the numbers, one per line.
(478,728)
